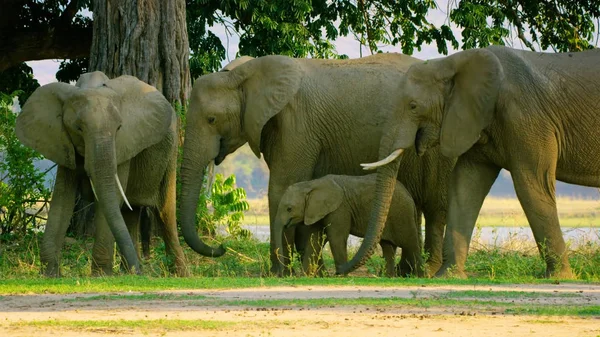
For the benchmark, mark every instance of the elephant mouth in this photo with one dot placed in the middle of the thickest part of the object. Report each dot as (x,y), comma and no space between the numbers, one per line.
(419,145)
(222,152)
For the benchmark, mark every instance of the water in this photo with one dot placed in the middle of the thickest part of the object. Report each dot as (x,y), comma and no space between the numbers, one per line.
(485,236)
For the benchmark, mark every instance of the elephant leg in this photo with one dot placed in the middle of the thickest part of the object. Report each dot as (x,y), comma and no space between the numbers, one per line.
(167,221)
(535,190)
(145,232)
(339,249)
(411,261)
(469,184)
(389,254)
(104,246)
(132,220)
(61,211)
(435,223)
(312,257)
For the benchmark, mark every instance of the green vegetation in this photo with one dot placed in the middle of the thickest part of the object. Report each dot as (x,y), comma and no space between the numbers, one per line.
(21,184)
(152,325)
(443,301)
(246,264)
(506,294)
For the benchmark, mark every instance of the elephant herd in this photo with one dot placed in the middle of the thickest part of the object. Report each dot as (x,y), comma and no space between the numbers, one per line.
(438,132)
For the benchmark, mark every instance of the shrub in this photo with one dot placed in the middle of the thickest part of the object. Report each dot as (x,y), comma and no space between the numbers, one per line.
(21,184)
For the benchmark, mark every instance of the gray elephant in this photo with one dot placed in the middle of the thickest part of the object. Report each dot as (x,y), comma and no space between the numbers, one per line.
(343,203)
(308,118)
(117,138)
(534,114)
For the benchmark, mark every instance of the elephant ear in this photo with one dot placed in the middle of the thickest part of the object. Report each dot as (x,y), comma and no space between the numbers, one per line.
(268,83)
(40,124)
(323,198)
(146,116)
(475,76)
(238,61)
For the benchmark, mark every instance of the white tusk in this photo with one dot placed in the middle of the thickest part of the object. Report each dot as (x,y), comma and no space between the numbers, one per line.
(385,161)
(93,190)
(122,192)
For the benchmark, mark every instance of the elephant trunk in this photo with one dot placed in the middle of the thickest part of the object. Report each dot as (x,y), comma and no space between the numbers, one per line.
(103,175)
(191,184)
(278,232)
(387,171)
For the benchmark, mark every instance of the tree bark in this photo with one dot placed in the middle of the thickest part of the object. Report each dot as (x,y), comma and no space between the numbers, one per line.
(144,38)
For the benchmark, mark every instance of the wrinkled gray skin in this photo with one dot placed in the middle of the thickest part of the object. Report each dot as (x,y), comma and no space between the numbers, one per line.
(534,114)
(95,131)
(344,203)
(308,118)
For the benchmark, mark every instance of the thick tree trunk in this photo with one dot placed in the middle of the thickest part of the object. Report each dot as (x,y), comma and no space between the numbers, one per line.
(144,38)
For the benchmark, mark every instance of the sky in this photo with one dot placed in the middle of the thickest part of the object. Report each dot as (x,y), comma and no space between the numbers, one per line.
(44,71)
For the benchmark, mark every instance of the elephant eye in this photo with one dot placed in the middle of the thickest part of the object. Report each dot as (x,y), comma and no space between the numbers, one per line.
(211,120)
(289,209)
(413,105)
(79,128)
(119,128)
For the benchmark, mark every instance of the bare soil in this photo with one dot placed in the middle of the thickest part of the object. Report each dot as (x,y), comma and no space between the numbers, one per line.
(17,313)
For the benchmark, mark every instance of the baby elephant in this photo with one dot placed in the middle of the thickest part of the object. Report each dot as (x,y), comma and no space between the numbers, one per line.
(345,202)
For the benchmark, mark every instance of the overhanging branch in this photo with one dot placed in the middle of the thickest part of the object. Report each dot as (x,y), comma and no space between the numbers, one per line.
(21,46)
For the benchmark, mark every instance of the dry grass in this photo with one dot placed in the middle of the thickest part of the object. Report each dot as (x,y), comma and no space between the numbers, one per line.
(496,212)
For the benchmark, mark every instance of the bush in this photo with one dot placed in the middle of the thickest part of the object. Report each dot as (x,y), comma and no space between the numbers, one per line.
(223,207)
(21,184)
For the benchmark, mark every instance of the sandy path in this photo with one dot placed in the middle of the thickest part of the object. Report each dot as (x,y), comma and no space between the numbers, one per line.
(17,313)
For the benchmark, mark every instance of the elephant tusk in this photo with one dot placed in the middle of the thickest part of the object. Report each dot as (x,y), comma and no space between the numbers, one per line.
(385,161)
(122,192)
(93,190)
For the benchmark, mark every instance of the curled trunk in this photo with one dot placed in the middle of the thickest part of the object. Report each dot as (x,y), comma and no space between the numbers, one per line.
(191,185)
(386,183)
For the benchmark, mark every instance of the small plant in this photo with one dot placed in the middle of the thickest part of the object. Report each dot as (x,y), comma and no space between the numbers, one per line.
(21,184)
(223,207)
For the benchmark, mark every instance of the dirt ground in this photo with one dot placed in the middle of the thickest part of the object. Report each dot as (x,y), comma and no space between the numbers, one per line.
(18,312)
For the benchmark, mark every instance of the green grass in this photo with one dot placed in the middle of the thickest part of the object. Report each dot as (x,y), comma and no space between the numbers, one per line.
(144,283)
(507,294)
(153,325)
(372,302)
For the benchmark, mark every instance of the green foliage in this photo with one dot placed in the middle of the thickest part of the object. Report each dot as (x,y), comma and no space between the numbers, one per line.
(21,184)
(19,78)
(71,70)
(223,207)
(566,25)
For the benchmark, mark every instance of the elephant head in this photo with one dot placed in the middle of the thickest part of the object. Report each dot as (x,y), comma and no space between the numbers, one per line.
(446,101)
(228,109)
(306,202)
(93,79)
(106,123)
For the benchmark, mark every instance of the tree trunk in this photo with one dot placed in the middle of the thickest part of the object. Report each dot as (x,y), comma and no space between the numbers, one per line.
(144,38)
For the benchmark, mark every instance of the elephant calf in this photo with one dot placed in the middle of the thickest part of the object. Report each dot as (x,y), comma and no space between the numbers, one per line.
(344,203)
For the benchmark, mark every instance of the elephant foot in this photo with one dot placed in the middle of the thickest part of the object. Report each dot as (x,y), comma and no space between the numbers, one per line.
(182,271)
(431,268)
(101,270)
(565,273)
(451,271)
(51,271)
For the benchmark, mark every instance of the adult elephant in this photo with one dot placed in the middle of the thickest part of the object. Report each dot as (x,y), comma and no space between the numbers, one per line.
(116,138)
(308,118)
(534,114)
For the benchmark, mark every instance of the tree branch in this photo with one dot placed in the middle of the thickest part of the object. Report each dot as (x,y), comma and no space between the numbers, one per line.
(69,13)
(21,46)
